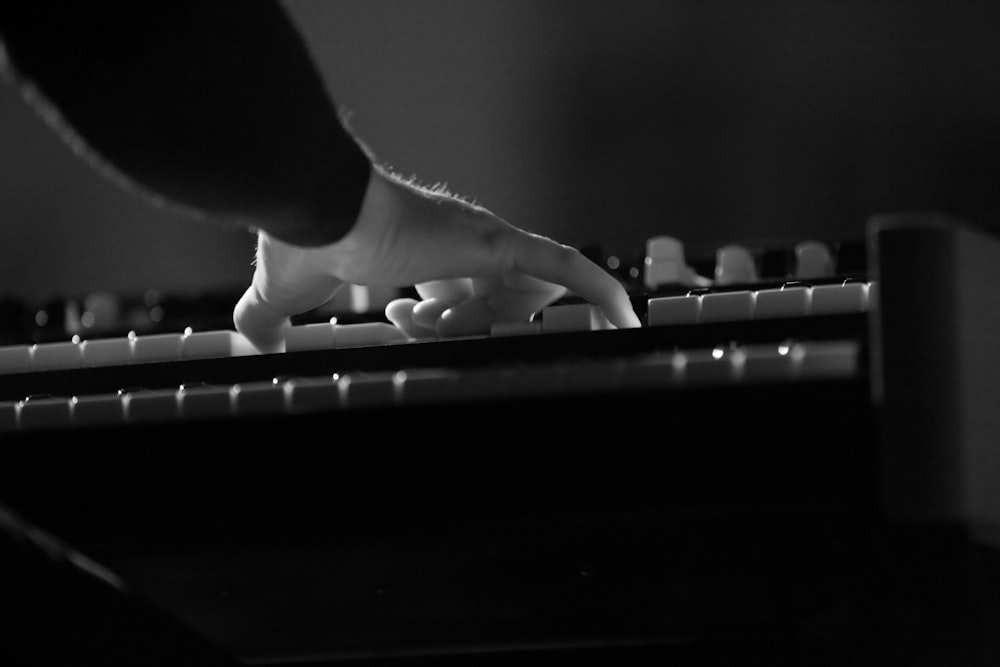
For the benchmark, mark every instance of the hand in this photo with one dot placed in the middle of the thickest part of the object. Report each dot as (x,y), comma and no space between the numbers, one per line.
(470,268)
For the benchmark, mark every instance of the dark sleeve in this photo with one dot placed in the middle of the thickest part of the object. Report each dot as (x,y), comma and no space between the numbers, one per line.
(216,107)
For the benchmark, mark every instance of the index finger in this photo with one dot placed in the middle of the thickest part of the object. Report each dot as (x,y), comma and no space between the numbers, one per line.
(564,265)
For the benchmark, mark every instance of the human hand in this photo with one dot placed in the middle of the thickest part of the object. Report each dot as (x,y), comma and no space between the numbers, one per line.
(471,269)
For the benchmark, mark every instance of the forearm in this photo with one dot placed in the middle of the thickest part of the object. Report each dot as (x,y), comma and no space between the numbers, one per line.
(216,107)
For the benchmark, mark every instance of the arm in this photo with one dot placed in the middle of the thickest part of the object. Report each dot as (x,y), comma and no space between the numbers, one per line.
(213,107)
(218,108)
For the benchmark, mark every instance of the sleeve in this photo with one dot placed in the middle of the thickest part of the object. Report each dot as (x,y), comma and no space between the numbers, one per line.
(214,107)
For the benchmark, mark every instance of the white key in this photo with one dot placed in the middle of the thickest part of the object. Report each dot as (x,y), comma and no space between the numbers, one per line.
(53,356)
(213,344)
(363,390)
(813,260)
(828,359)
(98,410)
(727,306)
(592,376)
(47,412)
(8,415)
(668,310)
(427,385)
(367,333)
(547,380)
(106,352)
(656,370)
(574,317)
(15,359)
(260,398)
(768,363)
(478,384)
(710,367)
(313,394)
(835,299)
(315,336)
(158,347)
(734,265)
(152,405)
(206,402)
(782,302)
(516,328)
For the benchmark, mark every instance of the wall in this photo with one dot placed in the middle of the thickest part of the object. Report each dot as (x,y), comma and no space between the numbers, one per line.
(589,121)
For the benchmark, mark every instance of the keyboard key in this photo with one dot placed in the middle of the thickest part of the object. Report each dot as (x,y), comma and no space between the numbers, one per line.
(151,405)
(574,317)
(98,410)
(709,367)
(547,380)
(206,402)
(45,412)
(596,375)
(316,336)
(428,385)
(158,347)
(15,359)
(835,299)
(727,306)
(8,415)
(828,359)
(55,356)
(782,302)
(366,334)
(656,370)
(670,310)
(477,384)
(106,352)
(313,394)
(516,328)
(768,363)
(362,390)
(260,398)
(212,344)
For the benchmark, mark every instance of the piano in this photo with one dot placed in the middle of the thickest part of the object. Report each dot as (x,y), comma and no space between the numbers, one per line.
(793,461)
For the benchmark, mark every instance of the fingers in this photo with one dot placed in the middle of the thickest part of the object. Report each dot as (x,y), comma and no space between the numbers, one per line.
(287,281)
(438,296)
(563,265)
(400,313)
(470,318)
(426,313)
(260,323)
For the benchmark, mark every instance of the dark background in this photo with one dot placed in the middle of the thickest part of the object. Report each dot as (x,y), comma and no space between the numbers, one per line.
(594,122)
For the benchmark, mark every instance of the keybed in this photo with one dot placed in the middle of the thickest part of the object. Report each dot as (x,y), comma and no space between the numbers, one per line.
(755,320)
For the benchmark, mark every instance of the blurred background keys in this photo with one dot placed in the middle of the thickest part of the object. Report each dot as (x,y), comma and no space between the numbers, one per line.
(735,265)
(813,260)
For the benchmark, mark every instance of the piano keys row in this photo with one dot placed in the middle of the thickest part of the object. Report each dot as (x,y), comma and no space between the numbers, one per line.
(788,300)
(793,300)
(718,366)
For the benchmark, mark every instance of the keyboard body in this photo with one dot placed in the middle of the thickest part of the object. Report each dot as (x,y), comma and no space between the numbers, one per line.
(711,515)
